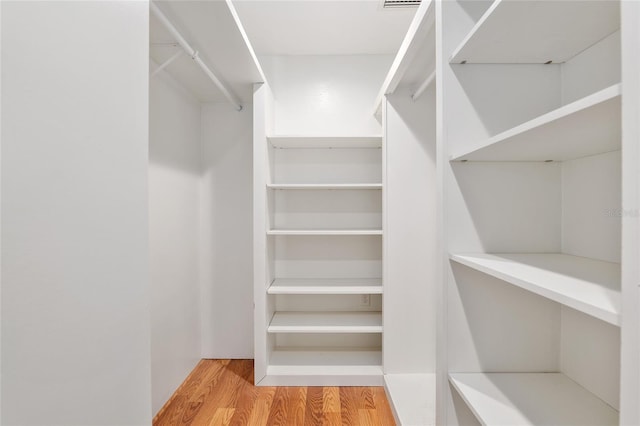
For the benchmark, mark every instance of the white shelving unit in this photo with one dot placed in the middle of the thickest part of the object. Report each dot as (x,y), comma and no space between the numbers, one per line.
(406,107)
(585,127)
(318,275)
(324,232)
(326,322)
(532,254)
(504,399)
(518,32)
(587,285)
(325,286)
(311,142)
(337,186)
(412,398)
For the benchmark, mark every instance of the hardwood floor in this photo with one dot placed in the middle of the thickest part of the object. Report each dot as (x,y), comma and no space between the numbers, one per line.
(221,392)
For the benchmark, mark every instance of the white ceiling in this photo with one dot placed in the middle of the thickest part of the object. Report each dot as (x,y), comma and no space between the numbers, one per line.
(323,27)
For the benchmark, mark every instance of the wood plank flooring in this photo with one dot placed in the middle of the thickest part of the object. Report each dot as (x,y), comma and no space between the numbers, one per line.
(221,392)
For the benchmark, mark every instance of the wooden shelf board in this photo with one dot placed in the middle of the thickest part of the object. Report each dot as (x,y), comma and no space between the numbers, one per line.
(537,31)
(326,322)
(324,232)
(588,126)
(301,141)
(326,286)
(506,399)
(412,398)
(300,186)
(587,285)
(331,361)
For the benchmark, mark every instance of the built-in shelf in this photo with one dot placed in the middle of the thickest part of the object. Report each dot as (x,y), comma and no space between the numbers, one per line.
(326,286)
(412,398)
(326,322)
(323,360)
(587,285)
(324,232)
(418,45)
(588,126)
(304,186)
(324,367)
(507,399)
(299,141)
(537,31)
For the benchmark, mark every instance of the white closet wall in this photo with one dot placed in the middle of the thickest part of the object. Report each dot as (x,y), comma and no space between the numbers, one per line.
(174,235)
(227,232)
(75,271)
(325,95)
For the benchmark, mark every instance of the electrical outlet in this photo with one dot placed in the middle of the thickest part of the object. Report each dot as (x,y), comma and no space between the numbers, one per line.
(365,300)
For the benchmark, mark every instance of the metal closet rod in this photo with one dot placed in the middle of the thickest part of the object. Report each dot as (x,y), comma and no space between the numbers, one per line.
(231,97)
(424,86)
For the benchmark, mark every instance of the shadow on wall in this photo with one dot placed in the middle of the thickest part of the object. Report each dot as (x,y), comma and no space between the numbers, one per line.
(227,232)
(512,330)
(496,92)
(498,211)
(174,126)
(419,116)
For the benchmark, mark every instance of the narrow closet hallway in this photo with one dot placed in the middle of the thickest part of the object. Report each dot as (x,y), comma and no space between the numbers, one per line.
(320,212)
(222,392)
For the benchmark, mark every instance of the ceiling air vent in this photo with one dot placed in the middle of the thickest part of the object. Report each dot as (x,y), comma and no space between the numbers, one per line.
(393,4)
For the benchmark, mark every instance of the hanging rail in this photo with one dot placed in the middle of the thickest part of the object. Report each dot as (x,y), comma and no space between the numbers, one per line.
(193,54)
(424,86)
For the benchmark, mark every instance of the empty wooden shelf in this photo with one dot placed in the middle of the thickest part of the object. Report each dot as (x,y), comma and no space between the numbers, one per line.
(537,31)
(587,285)
(507,399)
(588,126)
(326,322)
(326,286)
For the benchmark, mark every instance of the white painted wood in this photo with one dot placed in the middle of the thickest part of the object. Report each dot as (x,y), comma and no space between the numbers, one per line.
(323,360)
(594,69)
(323,376)
(531,399)
(484,312)
(590,354)
(326,165)
(420,27)
(412,398)
(307,141)
(211,29)
(587,285)
(304,186)
(328,256)
(504,207)
(329,209)
(305,28)
(326,322)
(585,127)
(326,286)
(630,332)
(411,250)
(261,252)
(537,31)
(324,232)
(322,369)
(591,206)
